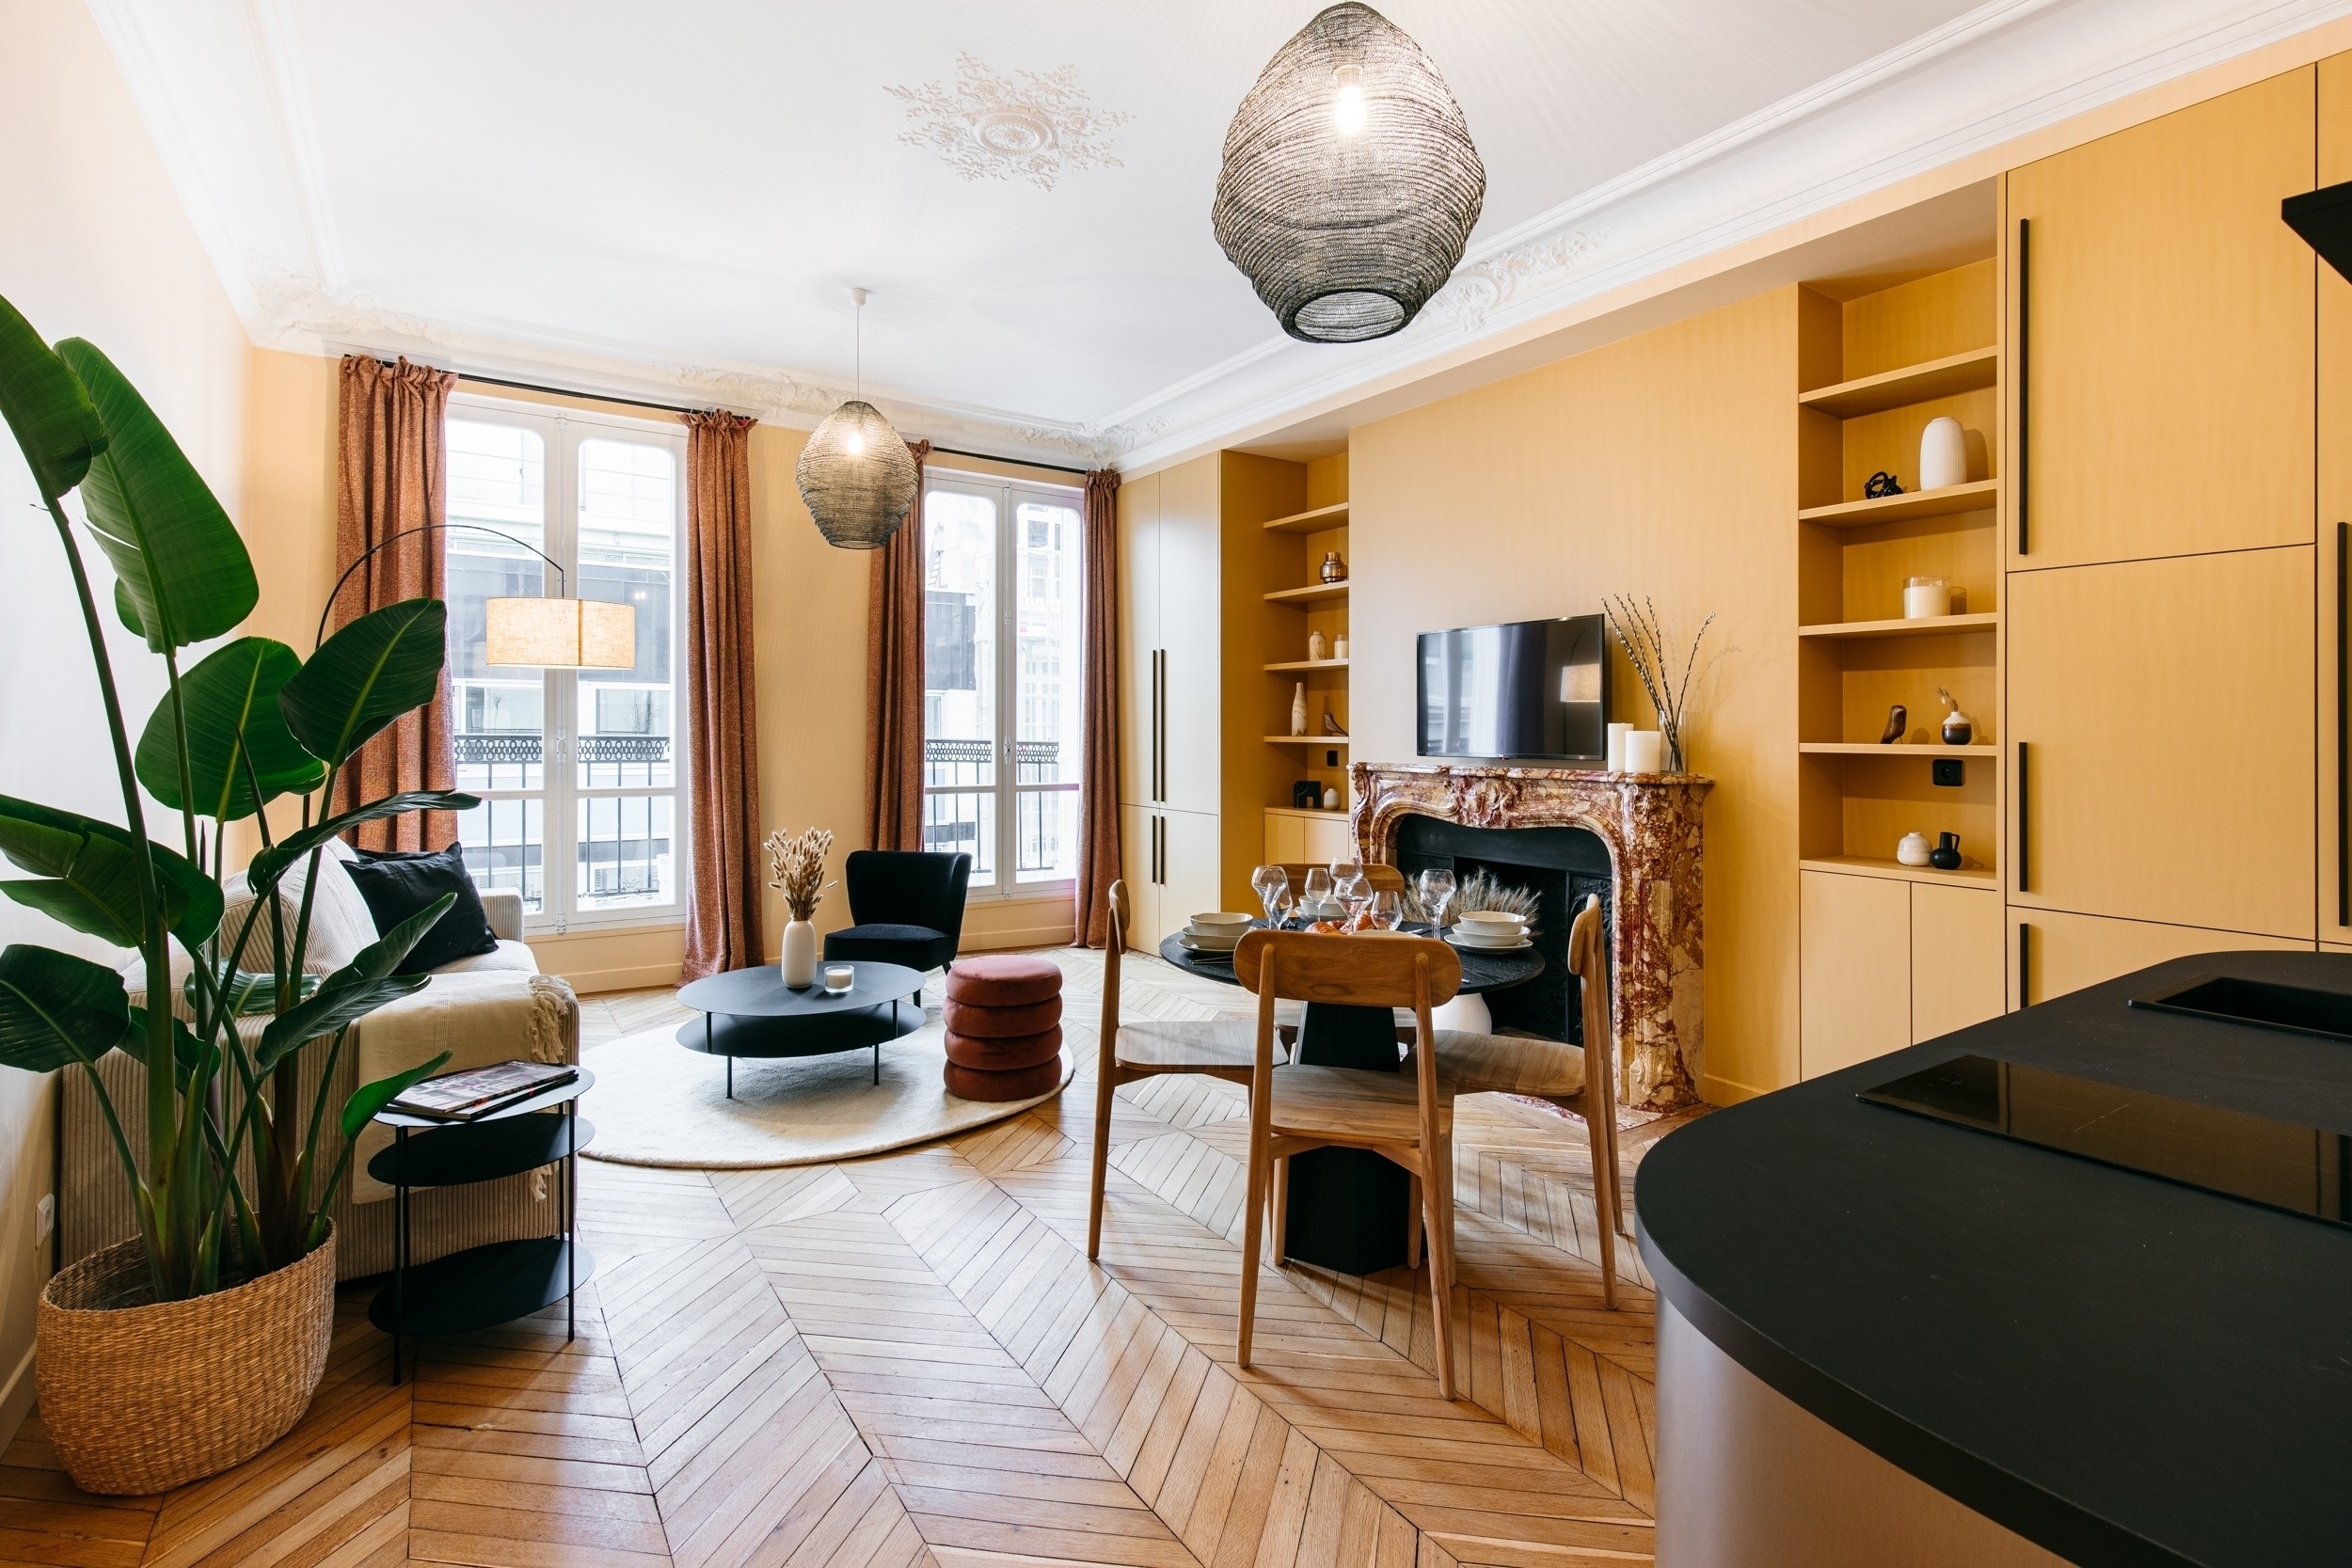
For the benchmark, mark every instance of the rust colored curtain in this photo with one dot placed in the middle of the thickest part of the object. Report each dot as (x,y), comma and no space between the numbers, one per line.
(393,479)
(723,777)
(1098,770)
(893,681)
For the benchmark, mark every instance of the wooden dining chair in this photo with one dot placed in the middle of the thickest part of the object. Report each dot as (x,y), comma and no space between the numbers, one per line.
(1130,1053)
(1582,1078)
(1403,1117)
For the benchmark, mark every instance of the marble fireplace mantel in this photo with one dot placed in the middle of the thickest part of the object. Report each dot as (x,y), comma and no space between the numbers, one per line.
(1651,825)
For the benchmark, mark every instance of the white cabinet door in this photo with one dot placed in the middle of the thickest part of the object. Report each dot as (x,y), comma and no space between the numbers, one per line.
(1138,575)
(1189,883)
(1140,851)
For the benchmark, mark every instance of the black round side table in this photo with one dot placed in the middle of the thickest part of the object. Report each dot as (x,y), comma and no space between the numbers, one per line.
(499,1282)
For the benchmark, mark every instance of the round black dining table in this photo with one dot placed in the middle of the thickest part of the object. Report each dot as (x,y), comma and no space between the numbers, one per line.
(1348,1206)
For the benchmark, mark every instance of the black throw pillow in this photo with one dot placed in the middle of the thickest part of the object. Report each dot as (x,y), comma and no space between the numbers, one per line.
(399,883)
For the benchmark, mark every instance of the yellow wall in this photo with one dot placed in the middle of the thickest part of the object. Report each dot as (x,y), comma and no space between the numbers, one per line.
(95,244)
(1663,467)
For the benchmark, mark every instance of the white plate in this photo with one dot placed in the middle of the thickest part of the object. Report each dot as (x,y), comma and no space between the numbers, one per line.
(1519,946)
(1207,944)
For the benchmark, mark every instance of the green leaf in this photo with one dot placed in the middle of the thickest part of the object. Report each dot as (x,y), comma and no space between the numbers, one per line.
(230,699)
(353,991)
(271,863)
(175,551)
(366,675)
(55,424)
(56,1009)
(251,993)
(92,868)
(187,1053)
(368,1099)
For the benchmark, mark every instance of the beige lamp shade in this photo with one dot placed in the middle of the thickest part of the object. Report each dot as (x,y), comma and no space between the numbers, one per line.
(561,634)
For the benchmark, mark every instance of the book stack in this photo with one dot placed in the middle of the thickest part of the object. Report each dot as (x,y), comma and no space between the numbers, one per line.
(478,1092)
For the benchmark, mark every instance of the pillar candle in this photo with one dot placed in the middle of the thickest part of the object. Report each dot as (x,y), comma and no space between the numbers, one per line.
(1617,746)
(1645,751)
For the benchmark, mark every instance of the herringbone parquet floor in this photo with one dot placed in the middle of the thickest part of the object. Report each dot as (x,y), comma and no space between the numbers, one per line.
(908,1360)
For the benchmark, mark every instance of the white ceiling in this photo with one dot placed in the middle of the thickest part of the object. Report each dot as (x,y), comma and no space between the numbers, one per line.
(674,199)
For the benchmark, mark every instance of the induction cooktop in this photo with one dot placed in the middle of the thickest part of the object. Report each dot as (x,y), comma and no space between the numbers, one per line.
(2301,1169)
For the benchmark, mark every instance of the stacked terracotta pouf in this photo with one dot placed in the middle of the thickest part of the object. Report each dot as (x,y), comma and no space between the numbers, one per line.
(1004,1027)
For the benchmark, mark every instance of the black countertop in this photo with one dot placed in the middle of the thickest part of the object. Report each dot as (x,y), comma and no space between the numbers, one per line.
(2121,1368)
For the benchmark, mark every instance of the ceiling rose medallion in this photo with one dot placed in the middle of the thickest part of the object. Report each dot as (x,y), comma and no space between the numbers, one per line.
(993,127)
(856,476)
(1350,183)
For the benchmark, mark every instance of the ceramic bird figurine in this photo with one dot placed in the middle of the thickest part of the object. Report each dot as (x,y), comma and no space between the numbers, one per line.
(1331,725)
(1897,719)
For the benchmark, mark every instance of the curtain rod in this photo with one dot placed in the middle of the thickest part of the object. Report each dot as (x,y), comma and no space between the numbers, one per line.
(673,408)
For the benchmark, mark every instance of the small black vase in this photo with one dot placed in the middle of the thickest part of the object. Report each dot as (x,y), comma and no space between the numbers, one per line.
(1945,855)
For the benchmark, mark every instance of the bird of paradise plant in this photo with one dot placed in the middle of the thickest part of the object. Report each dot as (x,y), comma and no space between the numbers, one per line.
(226,1165)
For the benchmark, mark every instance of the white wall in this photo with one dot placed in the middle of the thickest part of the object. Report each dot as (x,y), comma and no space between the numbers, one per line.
(95,244)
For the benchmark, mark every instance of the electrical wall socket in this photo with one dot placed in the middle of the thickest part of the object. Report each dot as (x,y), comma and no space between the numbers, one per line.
(45,1218)
(1950,773)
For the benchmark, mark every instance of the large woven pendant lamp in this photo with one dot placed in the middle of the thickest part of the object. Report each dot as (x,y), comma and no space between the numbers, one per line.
(1350,184)
(856,476)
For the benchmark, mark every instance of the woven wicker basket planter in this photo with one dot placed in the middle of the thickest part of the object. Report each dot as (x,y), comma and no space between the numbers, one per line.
(138,1399)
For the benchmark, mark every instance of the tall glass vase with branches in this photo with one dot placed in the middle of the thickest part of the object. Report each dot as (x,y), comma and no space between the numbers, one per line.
(1664,678)
(227,1171)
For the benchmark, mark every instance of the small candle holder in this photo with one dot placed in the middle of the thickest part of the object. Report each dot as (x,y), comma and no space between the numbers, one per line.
(840,978)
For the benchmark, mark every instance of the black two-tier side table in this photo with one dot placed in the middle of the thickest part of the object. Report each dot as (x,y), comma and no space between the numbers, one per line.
(500,1281)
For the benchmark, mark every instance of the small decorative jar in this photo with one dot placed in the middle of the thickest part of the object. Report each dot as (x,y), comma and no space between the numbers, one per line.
(1945,855)
(1943,454)
(1913,849)
(1924,598)
(1334,569)
(1315,646)
(1339,646)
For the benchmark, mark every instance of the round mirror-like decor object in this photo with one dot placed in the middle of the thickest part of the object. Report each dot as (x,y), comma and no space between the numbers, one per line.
(857,478)
(1350,183)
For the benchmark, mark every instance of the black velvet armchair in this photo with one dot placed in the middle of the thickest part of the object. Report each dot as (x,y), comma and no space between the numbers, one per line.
(908,905)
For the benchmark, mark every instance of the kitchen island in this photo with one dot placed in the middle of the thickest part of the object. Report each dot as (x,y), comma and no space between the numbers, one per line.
(1885,1338)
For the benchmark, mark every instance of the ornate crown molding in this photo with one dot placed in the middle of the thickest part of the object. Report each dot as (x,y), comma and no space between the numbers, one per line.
(990,126)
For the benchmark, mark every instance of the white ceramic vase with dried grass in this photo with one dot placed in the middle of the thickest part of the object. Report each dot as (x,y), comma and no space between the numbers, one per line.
(796,866)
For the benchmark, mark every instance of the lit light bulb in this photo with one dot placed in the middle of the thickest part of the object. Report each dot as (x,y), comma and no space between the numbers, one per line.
(1347,109)
(856,443)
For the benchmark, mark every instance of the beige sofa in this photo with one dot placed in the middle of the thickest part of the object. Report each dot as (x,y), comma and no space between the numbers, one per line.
(491,1007)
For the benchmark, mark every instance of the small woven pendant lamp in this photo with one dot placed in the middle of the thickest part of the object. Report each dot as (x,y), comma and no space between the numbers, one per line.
(856,476)
(1349,184)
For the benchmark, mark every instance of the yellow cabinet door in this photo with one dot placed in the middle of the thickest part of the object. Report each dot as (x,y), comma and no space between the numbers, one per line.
(2161,744)
(1286,838)
(2165,337)
(1955,959)
(1855,969)
(1139,587)
(2059,953)
(1326,839)
(2335,520)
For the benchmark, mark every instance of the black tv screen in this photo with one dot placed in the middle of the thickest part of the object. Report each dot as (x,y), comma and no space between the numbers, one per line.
(1531,689)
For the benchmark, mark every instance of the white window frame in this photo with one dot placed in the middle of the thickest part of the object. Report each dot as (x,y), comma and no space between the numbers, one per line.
(561,430)
(1007,494)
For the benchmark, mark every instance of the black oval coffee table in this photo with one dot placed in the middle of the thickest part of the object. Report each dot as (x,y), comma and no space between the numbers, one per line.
(752,1012)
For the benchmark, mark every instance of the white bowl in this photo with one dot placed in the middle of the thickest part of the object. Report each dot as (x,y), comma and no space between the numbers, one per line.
(1199,944)
(1494,920)
(1221,923)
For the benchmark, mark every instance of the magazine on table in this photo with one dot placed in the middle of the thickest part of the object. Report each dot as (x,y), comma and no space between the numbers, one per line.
(476,1092)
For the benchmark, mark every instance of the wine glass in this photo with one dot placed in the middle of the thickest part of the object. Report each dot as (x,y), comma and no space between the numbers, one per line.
(1354,892)
(1318,888)
(1387,909)
(1273,885)
(1437,894)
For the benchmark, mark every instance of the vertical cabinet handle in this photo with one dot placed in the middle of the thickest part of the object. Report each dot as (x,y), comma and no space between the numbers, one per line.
(2024,959)
(2024,825)
(2024,359)
(1159,724)
(2344,729)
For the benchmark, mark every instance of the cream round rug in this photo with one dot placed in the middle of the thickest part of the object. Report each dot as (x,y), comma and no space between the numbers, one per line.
(658,1103)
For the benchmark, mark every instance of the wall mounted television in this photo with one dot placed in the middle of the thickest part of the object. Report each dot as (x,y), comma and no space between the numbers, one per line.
(1534,689)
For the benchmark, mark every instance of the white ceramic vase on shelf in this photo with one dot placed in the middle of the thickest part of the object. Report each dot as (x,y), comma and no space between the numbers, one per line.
(1298,709)
(800,954)
(1943,454)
